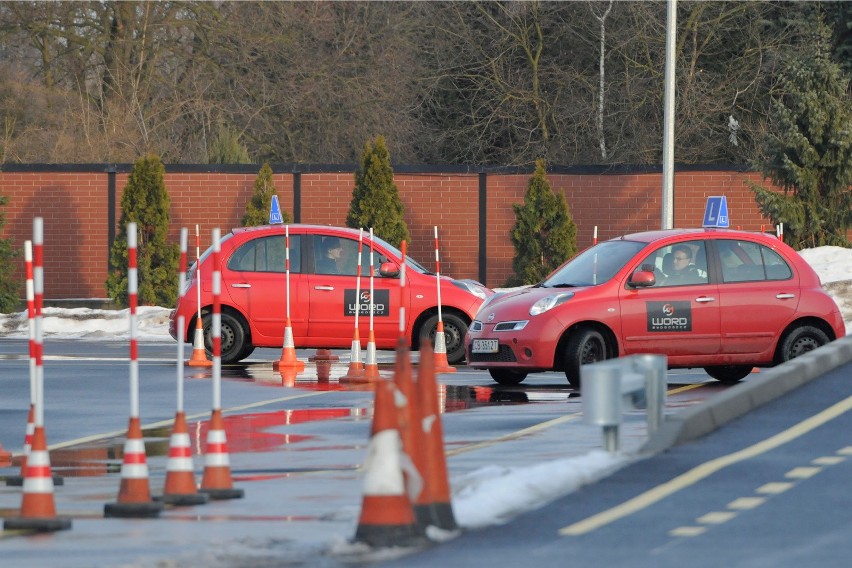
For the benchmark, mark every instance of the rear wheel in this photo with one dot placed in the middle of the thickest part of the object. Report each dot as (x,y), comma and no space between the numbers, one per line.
(729,374)
(585,346)
(507,376)
(233,338)
(454,331)
(801,340)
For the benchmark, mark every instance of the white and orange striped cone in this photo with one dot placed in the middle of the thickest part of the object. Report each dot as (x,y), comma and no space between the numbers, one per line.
(199,355)
(288,358)
(180,488)
(437,509)
(441,363)
(387,518)
(38,509)
(5,458)
(216,481)
(355,372)
(134,494)
(371,366)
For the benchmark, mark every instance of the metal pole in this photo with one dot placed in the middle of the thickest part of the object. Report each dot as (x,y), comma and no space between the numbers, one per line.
(668,117)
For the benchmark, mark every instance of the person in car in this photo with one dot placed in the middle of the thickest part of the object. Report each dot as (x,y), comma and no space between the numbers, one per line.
(330,254)
(683,270)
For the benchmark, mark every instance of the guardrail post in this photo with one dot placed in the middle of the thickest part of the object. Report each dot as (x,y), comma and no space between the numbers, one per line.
(654,368)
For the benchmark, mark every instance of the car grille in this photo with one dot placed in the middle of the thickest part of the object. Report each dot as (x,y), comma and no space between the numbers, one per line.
(504,355)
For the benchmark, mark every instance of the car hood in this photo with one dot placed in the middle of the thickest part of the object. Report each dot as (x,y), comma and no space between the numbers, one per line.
(515,304)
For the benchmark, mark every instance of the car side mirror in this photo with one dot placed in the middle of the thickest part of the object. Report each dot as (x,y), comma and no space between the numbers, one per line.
(388,270)
(642,279)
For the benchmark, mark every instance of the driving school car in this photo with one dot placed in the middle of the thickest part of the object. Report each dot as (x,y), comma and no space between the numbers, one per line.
(324,297)
(743,300)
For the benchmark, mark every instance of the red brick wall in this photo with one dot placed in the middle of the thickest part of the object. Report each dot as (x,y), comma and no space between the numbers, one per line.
(74,208)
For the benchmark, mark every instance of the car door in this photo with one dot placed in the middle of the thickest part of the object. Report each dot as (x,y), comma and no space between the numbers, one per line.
(677,318)
(333,300)
(758,293)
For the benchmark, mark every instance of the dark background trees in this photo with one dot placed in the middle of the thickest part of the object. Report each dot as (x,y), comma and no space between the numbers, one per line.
(491,83)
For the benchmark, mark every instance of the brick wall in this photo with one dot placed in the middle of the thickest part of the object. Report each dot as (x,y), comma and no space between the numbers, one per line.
(75,203)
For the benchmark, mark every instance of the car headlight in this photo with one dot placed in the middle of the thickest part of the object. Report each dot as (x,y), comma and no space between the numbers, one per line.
(470,287)
(550,302)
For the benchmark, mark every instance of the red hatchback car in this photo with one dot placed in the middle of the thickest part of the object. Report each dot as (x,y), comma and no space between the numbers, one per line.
(724,300)
(323,269)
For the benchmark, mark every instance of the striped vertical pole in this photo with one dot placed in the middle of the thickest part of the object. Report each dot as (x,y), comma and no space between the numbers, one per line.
(216,481)
(595,237)
(440,351)
(288,360)
(371,366)
(199,354)
(356,366)
(38,509)
(134,494)
(179,488)
(403,247)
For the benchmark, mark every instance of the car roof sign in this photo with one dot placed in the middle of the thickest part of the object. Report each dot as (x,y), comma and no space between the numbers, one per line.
(716,212)
(275,211)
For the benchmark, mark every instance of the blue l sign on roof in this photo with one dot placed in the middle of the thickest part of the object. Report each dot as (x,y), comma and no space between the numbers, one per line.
(275,211)
(716,212)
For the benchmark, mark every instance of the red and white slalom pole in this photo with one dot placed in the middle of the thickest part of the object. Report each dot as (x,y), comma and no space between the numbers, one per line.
(595,236)
(371,366)
(38,508)
(440,352)
(779,231)
(134,494)
(288,358)
(217,465)
(356,366)
(199,356)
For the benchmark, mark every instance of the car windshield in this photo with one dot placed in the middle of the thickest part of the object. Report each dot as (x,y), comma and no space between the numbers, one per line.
(595,265)
(410,262)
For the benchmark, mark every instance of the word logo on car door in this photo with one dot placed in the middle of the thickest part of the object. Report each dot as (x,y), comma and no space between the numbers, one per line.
(352,303)
(669,316)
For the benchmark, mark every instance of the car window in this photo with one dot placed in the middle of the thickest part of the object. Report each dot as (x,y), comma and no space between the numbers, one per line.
(744,261)
(267,254)
(595,265)
(679,264)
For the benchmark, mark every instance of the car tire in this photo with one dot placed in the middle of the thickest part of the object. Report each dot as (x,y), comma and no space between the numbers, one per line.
(233,338)
(584,346)
(729,374)
(455,329)
(507,376)
(800,340)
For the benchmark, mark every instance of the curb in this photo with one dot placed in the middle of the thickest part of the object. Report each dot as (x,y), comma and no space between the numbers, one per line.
(736,401)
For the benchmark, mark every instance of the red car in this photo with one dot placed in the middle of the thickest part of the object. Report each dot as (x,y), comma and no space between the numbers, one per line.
(724,300)
(323,269)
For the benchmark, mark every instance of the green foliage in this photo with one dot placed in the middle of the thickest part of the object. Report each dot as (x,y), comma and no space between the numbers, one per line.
(375,199)
(809,152)
(544,235)
(9,286)
(226,148)
(258,207)
(146,202)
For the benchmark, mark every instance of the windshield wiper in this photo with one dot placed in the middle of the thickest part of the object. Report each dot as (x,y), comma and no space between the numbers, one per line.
(563,285)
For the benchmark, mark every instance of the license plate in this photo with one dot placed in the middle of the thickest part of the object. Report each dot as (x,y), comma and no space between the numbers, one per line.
(484,346)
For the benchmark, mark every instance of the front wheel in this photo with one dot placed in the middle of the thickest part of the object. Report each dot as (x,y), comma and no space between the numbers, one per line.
(729,374)
(233,338)
(507,376)
(801,340)
(585,346)
(455,329)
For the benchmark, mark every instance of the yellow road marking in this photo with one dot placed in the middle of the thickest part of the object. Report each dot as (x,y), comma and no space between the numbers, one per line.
(774,488)
(847,451)
(684,388)
(687,531)
(704,470)
(716,517)
(514,435)
(828,460)
(802,472)
(744,503)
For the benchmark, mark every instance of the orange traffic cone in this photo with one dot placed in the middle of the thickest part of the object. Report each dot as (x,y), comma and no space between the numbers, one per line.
(38,509)
(18,480)
(217,466)
(5,458)
(199,355)
(134,494)
(324,355)
(288,358)
(435,476)
(180,486)
(371,366)
(356,366)
(387,518)
(441,363)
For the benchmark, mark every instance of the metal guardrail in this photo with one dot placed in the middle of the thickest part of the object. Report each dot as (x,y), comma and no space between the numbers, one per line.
(613,386)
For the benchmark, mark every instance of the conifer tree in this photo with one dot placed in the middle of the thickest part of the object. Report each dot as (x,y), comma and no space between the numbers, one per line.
(258,207)
(544,234)
(375,199)
(226,148)
(146,202)
(809,154)
(9,287)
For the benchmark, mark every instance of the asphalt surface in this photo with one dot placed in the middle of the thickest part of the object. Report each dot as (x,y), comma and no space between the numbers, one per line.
(756,476)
